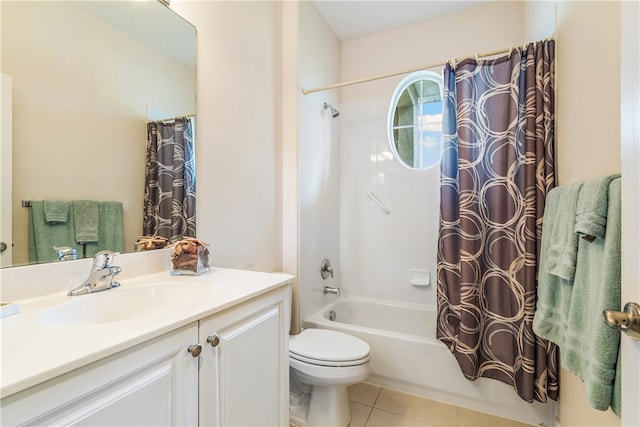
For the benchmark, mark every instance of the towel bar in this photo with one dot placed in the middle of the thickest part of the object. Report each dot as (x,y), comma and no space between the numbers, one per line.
(27,204)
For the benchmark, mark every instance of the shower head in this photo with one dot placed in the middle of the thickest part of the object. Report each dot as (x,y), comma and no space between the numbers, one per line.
(334,113)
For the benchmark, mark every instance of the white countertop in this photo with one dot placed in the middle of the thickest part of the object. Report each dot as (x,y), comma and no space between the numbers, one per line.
(34,351)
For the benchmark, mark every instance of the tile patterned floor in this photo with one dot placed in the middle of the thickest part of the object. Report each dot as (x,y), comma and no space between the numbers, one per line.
(372,405)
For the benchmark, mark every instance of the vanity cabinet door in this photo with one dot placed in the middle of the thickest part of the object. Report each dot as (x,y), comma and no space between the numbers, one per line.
(244,364)
(153,384)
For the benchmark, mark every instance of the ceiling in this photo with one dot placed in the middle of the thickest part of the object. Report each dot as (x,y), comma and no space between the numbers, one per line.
(356,18)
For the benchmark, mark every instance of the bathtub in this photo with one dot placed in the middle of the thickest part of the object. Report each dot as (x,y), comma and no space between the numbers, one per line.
(406,356)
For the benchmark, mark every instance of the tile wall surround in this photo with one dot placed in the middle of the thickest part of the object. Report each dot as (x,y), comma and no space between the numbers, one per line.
(318,54)
(378,250)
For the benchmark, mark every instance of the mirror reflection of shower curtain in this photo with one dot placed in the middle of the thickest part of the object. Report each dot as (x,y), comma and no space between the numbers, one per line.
(497,167)
(170,182)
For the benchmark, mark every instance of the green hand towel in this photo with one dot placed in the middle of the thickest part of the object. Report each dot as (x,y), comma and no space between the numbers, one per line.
(591,212)
(56,211)
(87,221)
(563,249)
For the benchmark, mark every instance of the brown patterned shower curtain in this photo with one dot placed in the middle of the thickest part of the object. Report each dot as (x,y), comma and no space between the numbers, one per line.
(497,167)
(170,183)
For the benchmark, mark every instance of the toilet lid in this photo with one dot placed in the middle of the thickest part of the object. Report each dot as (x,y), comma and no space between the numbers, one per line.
(330,348)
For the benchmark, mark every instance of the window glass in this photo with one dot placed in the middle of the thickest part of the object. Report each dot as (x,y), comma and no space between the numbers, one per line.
(415,120)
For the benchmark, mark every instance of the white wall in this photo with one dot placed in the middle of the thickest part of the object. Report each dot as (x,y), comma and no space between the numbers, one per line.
(287,132)
(237,107)
(319,174)
(588,136)
(496,25)
(378,250)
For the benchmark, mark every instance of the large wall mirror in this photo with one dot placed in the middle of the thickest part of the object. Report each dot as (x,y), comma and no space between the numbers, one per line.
(85,78)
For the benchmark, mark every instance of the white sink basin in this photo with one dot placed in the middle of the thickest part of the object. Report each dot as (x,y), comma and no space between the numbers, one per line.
(123,303)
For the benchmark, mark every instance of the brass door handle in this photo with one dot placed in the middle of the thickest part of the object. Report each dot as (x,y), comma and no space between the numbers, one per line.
(627,321)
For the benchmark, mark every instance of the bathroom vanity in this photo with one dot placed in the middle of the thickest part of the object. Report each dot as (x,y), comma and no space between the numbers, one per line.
(203,350)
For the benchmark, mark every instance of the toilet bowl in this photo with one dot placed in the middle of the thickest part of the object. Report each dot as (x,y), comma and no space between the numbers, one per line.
(323,363)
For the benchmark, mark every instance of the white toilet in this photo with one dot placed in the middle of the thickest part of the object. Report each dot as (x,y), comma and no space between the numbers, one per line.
(323,363)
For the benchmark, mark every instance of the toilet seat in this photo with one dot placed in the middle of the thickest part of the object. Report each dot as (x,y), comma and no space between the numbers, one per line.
(324,347)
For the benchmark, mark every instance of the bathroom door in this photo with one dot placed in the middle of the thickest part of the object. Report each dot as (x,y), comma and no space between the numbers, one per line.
(5,172)
(630,134)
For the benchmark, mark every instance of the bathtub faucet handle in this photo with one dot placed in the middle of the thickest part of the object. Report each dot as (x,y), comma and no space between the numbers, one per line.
(325,269)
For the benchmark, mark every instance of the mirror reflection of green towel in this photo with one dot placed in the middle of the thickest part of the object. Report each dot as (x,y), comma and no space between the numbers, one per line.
(44,236)
(56,211)
(87,221)
(110,229)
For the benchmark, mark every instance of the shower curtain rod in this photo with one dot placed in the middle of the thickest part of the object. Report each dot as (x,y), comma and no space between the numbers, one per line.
(173,118)
(398,73)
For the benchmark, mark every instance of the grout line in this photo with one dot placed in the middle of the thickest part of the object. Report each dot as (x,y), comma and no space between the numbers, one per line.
(377,396)
(368,416)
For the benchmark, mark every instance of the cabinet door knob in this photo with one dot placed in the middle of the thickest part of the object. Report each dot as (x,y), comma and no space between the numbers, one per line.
(195,350)
(214,340)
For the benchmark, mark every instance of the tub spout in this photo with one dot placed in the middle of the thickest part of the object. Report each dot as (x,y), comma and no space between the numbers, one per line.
(332,291)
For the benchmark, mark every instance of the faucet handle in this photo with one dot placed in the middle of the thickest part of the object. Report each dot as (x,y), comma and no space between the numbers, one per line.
(103,259)
(325,268)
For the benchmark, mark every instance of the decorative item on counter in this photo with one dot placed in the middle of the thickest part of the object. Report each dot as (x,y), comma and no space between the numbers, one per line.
(189,257)
(149,243)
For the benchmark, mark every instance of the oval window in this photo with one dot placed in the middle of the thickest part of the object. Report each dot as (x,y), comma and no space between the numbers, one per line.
(415,120)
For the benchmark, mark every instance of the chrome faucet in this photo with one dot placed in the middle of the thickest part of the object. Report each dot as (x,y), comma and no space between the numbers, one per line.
(101,275)
(65,253)
(333,291)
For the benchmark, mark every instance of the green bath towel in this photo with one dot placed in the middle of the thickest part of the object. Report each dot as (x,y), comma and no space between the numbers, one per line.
(591,348)
(554,293)
(571,315)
